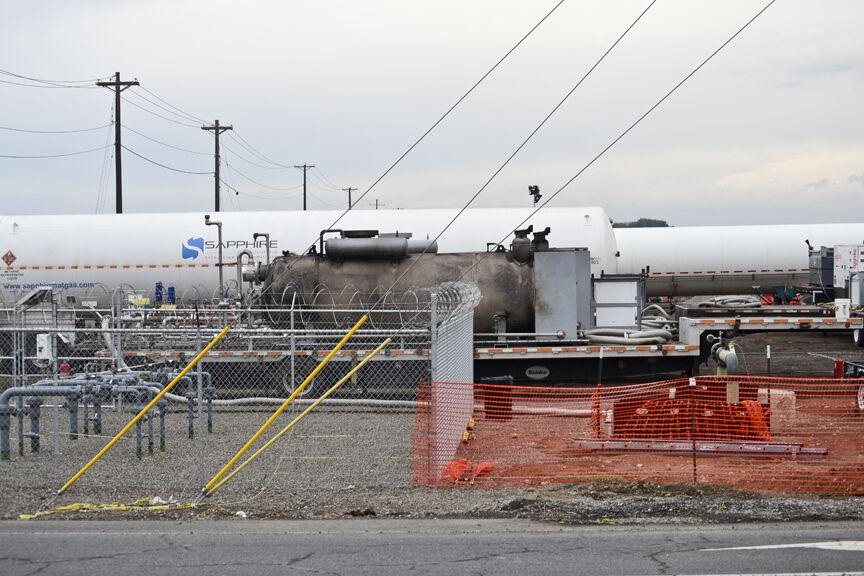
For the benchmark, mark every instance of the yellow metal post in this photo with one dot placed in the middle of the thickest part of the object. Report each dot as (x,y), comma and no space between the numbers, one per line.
(300,417)
(284,405)
(144,410)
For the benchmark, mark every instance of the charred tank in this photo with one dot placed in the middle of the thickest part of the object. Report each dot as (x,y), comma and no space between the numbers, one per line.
(369,263)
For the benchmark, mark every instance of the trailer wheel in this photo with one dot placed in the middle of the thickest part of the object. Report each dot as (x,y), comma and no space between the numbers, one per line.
(860,399)
(858,336)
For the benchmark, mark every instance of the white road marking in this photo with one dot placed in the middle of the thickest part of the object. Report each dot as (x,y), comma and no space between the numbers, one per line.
(843,545)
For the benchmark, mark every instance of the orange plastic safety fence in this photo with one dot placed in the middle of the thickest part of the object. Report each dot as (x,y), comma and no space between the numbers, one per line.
(752,433)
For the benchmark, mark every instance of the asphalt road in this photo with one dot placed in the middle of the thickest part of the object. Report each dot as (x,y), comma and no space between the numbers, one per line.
(379,547)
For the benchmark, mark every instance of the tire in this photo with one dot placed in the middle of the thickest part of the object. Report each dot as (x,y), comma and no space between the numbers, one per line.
(859,399)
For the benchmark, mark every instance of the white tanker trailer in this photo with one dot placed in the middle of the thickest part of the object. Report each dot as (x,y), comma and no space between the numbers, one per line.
(89,255)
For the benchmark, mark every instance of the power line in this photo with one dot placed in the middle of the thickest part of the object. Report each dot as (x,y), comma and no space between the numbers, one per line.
(133,103)
(80,152)
(268,186)
(190,116)
(32,79)
(324,177)
(56,131)
(187,116)
(607,148)
(524,142)
(55,86)
(232,187)
(253,163)
(183,116)
(323,184)
(103,174)
(160,164)
(441,119)
(249,148)
(101,192)
(105,169)
(235,189)
(322,202)
(166,144)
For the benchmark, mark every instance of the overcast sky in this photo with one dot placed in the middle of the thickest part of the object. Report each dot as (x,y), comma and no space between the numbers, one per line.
(770,131)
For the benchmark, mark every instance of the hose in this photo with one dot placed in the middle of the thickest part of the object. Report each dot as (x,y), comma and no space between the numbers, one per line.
(625,340)
(657,311)
(656,317)
(732,302)
(624,336)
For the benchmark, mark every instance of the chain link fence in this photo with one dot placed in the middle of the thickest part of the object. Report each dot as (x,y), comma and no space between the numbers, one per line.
(268,352)
(72,376)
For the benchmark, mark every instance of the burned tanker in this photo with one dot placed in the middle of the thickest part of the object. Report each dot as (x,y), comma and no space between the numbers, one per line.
(520,286)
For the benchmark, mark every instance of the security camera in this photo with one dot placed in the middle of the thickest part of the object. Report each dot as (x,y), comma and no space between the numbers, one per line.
(206,217)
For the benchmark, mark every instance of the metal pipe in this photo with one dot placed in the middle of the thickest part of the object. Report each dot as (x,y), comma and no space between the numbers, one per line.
(97,414)
(190,409)
(558,334)
(208,222)
(19,412)
(10,393)
(140,415)
(240,255)
(242,331)
(5,423)
(85,417)
(162,408)
(34,409)
(72,407)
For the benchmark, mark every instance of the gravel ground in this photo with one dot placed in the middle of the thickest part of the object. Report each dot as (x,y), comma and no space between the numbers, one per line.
(340,464)
(343,464)
(791,354)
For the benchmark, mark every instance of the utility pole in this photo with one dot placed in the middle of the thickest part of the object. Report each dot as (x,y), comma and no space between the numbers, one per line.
(349,190)
(217,130)
(117,86)
(304,167)
(376,204)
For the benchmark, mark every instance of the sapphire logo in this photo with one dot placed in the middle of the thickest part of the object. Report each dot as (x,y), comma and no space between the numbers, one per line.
(192,248)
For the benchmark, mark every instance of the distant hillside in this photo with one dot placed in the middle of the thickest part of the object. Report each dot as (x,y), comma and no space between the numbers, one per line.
(642,223)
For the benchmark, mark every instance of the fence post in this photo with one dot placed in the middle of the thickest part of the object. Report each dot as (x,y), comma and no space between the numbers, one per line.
(55,314)
(200,397)
(768,361)
(433,339)
(693,391)
(293,342)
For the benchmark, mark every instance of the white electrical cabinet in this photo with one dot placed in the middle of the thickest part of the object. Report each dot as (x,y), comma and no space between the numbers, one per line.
(856,289)
(43,347)
(618,301)
(848,259)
